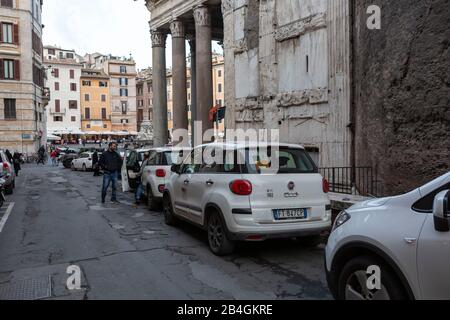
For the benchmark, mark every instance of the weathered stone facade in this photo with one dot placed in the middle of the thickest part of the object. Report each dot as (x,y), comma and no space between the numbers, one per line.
(402,94)
(287,67)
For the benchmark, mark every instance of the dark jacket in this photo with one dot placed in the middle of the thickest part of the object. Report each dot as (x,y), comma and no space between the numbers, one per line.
(110,161)
(95,158)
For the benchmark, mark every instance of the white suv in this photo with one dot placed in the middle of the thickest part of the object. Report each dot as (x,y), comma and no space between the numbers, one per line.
(402,243)
(158,171)
(234,201)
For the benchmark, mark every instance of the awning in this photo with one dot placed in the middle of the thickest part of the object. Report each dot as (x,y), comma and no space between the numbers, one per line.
(51,137)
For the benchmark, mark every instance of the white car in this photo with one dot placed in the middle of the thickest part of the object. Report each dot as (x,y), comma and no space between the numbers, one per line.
(7,173)
(402,243)
(84,162)
(158,171)
(238,201)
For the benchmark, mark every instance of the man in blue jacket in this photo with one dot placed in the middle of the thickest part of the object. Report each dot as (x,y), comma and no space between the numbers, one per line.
(111,163)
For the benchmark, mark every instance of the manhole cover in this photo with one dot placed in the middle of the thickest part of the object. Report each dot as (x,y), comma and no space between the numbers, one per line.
(28,289)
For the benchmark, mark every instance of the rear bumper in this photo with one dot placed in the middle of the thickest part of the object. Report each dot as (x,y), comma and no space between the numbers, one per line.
(279,234)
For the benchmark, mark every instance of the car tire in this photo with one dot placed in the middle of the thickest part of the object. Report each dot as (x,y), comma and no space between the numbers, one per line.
(169,216)
(151,201)
(9,189)
(351,280)
(219,243)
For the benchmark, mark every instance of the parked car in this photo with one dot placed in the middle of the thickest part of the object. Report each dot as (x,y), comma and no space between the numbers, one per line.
(407,237)
(240,202)
(84,162)
(2,195)
(8,173)
(158,172)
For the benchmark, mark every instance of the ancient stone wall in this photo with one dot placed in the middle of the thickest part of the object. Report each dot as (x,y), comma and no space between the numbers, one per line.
(402,94)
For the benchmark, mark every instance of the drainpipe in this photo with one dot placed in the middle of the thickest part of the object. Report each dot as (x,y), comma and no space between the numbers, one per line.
(353,55)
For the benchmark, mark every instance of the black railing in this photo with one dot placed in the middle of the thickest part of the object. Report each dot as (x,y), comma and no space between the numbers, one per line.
(353,180)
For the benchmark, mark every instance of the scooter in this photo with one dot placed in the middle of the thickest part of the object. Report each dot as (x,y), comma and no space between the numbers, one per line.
(2,194)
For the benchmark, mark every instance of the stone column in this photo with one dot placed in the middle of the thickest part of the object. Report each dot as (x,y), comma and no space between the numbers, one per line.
(203,36)
(160,127)
(193,86)
(180,111)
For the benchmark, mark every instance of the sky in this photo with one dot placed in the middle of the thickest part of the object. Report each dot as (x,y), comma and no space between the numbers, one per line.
(117,27)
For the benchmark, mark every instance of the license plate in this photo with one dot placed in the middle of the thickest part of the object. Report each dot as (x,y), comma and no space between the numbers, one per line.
(290,214)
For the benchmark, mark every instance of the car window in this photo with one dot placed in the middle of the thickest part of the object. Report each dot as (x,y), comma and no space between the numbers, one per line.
(152,158)
(189,166)
(425,204)
(290,160)
(222,167)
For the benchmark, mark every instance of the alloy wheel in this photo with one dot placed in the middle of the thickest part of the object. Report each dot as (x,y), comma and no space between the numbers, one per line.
(215,232)
(356,288)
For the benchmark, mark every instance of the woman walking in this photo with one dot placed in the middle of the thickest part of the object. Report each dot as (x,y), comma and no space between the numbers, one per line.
(16,160)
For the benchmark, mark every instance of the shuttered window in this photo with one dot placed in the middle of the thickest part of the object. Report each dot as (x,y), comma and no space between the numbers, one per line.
(10,108)
(7,32)
(6,3)
(57,105)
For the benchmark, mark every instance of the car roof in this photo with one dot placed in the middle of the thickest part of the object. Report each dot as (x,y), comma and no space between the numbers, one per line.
(249,144)
(169,149)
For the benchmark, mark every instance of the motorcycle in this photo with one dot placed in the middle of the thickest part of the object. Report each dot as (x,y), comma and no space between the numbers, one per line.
(2,194)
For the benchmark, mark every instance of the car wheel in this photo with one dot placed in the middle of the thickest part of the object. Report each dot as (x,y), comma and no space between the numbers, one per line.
(169,216)
(9,189)
(84,167)
(151,201)
(218,240)
(352,283)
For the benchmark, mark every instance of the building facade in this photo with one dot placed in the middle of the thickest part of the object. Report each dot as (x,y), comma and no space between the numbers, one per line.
(22,94)
(63,79)
(122,73)
(144,97)
(95,102)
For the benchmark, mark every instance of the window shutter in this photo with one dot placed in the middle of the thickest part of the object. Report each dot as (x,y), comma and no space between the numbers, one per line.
(16,34)
(2,76)
(16,70)
(1,32)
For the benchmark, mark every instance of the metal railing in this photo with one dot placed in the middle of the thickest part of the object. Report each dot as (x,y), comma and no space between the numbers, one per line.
(353,180)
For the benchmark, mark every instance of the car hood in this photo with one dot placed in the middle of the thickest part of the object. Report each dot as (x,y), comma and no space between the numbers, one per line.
(373,203)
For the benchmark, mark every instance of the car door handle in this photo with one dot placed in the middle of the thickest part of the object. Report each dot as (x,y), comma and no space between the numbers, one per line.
(186,182)
(210,182)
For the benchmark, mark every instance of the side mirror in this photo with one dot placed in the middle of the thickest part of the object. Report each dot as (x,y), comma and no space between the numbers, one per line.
(441,211)
(175,168)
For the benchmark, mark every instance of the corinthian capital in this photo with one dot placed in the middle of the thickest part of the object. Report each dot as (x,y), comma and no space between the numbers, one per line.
(158,38)
(177,29)
(202,16)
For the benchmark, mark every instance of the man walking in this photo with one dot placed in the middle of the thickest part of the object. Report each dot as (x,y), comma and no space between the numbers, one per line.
(41,155)
(111,163)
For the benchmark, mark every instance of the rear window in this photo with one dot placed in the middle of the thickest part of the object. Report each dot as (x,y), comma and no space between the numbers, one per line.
(290,160)
(175,157)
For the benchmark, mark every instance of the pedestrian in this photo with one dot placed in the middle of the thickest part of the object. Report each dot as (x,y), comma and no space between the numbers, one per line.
(41,155)
(111,163)
(9,156)
(16,160)
(95,164)
(53,156)
(139,185)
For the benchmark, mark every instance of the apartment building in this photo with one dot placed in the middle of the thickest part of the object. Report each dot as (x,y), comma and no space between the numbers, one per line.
(144,96)
(22,94)
(95,102)
(122,73)
(63,80)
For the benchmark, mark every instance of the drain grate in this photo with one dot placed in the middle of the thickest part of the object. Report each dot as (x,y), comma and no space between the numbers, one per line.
(27,289)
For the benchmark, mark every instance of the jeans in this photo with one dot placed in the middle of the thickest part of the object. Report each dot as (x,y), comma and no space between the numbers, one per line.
(108,178)
(139,191)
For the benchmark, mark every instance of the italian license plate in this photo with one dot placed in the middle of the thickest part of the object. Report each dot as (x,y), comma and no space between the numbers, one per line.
(290,214)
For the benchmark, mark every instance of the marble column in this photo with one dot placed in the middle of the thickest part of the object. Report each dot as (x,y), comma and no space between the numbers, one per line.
(180,109)
(203,36)
(193,87)
(160,127)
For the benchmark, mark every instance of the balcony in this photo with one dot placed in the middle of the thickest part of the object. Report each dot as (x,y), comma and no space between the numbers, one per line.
(45,96)
(61,112)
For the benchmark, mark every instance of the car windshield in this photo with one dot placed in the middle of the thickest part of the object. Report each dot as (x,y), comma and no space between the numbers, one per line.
(290,160)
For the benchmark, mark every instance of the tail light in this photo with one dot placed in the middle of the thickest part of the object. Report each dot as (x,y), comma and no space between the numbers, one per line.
(5,165)
(241,187)
(325,186)
(160,173)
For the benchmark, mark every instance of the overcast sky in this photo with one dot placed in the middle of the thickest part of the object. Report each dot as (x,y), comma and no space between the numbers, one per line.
(117,27)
